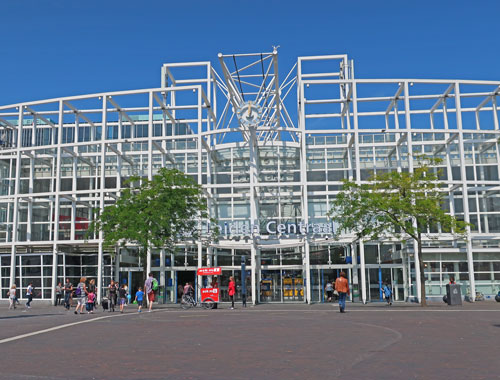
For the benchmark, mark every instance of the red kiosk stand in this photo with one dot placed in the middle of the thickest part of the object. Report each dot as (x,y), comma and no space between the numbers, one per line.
(209,296)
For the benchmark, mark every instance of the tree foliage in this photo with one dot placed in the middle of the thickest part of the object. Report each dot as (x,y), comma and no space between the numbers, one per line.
(155,214)
(397,204)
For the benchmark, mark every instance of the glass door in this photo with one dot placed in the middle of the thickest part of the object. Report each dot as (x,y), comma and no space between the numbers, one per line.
(391,275)
(283,284)
(321,275)
(270,286)
(398,286)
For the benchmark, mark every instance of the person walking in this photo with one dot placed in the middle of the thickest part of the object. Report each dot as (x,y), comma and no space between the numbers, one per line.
(139,297)
(90,302)
(329,291)
(12,297)
(232,291)
(148,287)
(58,294)
(112,295)
(29,295)
(68,289)
(342,287)
(387,293)
(123,297)
(92,289)
(81,293)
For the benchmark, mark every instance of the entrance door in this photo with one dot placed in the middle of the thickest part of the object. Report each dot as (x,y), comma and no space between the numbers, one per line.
(137,281)
(281,285)
(323,274)
(270,286)
(184,277)
(293,285)
(398,289)
(376,276)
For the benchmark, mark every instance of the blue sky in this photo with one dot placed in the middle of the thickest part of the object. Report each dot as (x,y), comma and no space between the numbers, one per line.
(60,48)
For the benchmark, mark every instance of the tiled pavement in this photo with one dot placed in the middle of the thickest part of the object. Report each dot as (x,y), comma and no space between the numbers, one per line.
(277,341)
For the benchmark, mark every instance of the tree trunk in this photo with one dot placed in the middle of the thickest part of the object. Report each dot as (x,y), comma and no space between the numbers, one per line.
(423,301)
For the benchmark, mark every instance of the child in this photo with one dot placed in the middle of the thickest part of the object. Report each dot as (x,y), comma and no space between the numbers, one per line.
(12,297)
(139,295)
(123,297)
(90,302)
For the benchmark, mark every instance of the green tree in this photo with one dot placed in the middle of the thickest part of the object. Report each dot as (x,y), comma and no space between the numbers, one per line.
(404,205)
(155,214)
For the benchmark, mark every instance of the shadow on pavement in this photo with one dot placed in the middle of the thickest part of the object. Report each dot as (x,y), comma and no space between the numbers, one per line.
(25,316)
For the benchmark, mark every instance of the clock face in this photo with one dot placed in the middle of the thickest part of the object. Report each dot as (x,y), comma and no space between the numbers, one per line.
(249,114)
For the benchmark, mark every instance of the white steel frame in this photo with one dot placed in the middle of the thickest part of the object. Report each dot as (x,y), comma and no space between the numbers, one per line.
(191,103)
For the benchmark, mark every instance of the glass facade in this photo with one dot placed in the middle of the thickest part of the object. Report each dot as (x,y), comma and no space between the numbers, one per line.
(269,185)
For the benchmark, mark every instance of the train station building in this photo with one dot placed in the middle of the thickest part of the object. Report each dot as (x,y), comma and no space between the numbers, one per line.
(271,147)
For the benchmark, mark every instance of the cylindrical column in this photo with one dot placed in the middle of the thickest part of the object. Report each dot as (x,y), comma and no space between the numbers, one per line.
(355,277)
(417,273)
(148,261)
(99,272)
(363,270)
(308,272)
(200,264)
(253,252)
(162,269)
(116,275)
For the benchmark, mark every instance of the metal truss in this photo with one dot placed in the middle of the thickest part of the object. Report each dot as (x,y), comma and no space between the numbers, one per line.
(254,78)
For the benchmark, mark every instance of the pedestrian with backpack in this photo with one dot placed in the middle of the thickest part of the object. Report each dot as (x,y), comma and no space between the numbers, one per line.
(149,286)
(81,293)
(387,293)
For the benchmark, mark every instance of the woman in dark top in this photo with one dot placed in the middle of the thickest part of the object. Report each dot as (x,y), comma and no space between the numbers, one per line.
(123,297)
(112,296)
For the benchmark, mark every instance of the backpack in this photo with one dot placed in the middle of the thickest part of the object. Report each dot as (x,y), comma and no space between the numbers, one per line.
(154,286)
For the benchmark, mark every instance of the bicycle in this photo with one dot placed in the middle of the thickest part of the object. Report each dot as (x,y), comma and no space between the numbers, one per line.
(468,297)
(187,302)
